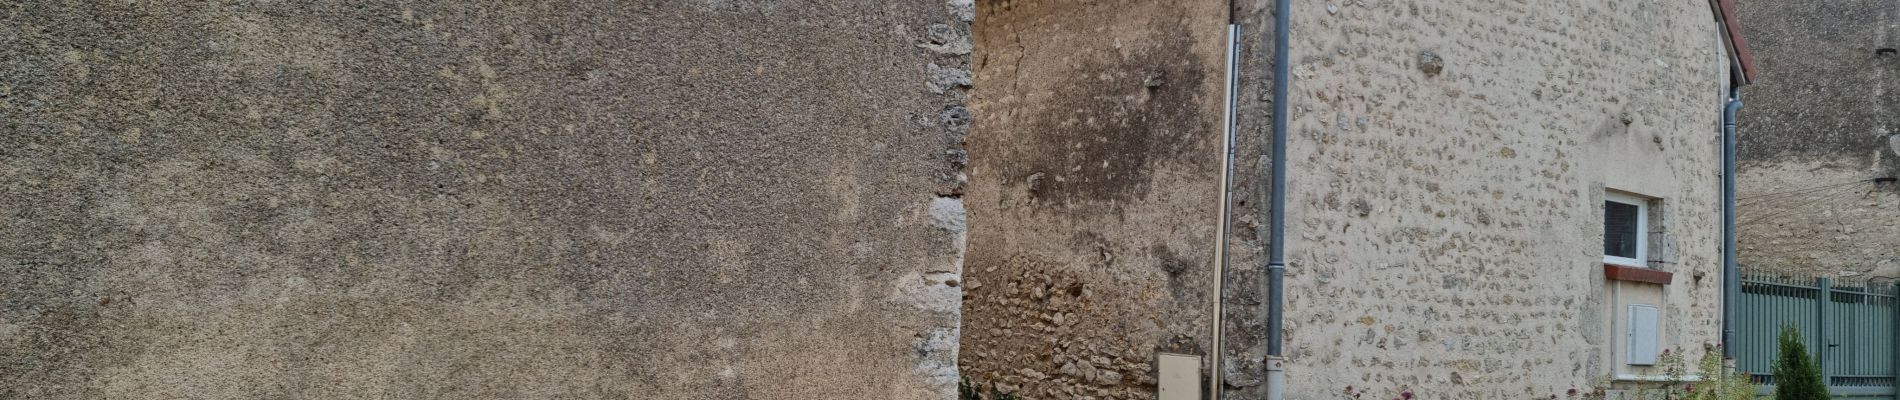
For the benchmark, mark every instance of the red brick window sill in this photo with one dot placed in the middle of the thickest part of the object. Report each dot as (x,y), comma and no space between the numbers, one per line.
(1636,274)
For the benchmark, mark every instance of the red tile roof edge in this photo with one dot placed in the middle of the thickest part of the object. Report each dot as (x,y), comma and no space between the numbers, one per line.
(1734,30)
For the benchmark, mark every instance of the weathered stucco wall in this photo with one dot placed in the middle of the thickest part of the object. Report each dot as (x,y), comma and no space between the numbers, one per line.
(1817,217)
(1448,166)
(679,200)
(1093,192)
(1817,126)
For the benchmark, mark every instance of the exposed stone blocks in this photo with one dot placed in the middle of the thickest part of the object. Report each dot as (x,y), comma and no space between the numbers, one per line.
(1448,167)
(1094,173)
(1448,160)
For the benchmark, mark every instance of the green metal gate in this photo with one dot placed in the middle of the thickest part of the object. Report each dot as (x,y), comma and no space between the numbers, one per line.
(1849,327)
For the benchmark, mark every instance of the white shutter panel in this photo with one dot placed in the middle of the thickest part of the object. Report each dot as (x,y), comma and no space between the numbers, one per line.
(1645,328)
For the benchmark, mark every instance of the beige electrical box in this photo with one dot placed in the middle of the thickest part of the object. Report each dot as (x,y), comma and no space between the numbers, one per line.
(1180,376)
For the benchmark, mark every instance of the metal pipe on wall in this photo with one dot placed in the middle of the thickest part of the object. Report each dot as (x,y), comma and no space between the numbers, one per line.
(1226,199)
(1731,273)
(1276,219)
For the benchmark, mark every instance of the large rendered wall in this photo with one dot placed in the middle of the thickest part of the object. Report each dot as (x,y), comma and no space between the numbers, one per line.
(494,199)
(1817,128)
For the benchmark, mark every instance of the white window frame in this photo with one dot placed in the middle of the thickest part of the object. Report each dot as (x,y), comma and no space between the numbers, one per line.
(1642,229)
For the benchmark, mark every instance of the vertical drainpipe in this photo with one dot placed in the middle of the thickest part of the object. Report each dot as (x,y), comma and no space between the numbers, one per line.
(1276,219)
(1731,273)
(1226,197)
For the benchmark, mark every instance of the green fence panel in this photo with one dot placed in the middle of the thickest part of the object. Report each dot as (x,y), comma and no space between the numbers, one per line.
(1765,306)
(1860,336)
(1852,329)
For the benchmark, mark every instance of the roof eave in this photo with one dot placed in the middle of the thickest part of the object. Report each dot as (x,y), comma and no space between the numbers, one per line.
(1737,45)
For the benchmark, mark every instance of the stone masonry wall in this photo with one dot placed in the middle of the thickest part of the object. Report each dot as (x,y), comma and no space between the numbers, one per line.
(1816,127)
(1093,193)
(1448,163)
(482,200)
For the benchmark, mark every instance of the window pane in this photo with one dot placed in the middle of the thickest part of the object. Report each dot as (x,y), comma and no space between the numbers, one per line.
(1619,229)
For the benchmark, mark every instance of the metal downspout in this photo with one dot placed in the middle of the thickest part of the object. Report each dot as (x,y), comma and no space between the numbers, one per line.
(1731,273)
(1276,219)
(1226,197)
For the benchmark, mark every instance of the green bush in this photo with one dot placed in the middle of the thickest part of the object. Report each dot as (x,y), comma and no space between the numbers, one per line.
(1797,377)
